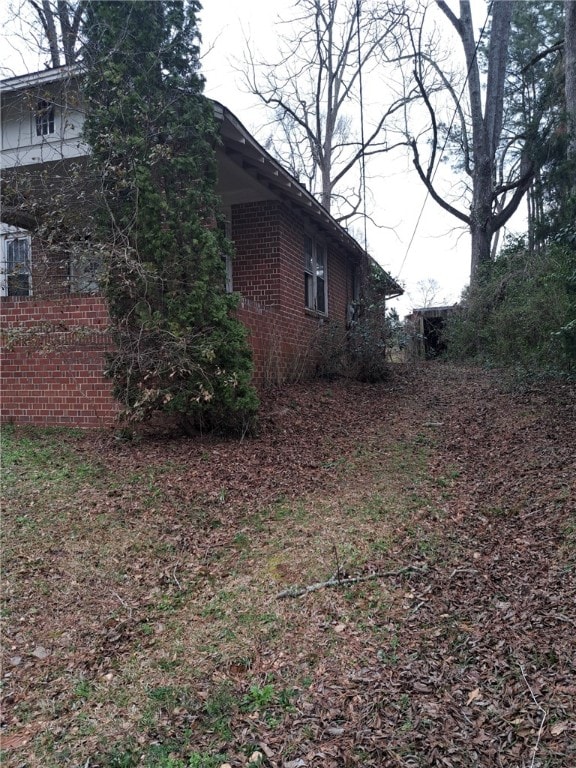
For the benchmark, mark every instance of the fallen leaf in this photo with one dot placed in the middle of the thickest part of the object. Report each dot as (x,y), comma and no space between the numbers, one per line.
(15,740)
(474,695)
(558,728)
(40,652)
(266,749)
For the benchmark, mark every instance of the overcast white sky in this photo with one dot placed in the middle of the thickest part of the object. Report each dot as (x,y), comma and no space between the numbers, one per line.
(439,249)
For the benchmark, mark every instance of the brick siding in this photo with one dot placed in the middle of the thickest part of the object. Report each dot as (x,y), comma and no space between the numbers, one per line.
(53,361)
(54,343)
(268,271)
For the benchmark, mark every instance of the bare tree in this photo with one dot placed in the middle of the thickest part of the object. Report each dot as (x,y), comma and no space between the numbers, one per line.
(59,22)
(480,128)
(570,81)
(315,92)
(428,293)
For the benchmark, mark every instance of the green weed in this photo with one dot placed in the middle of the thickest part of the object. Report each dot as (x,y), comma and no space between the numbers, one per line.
(38,458)
(202,760)
(83,689)
(166,696)
(259,697)
(219,708)
(266,698)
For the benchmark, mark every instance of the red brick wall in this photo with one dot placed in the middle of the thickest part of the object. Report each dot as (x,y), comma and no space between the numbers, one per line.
(269,273)
(52,362)
(53,350)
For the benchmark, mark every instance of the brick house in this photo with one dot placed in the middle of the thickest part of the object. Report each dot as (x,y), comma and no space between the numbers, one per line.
(295,267)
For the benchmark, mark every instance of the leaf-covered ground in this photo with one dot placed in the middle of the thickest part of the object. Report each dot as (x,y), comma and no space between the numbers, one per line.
(142,623)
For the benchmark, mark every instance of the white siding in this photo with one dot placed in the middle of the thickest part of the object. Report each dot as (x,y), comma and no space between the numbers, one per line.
(20,144)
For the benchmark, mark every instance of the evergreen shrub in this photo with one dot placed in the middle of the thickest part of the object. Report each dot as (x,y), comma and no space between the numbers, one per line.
(179,348)
(520,312)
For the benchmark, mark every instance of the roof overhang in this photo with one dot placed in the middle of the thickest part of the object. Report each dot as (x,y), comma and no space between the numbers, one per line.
(35,79)
(242,152)
(245,152)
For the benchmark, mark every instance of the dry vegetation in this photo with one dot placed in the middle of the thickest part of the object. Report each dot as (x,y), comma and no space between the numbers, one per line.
(142,624)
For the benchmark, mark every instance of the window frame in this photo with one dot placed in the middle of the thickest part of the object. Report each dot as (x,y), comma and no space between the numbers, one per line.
(315,276)
(354,303)
(7,239)
(44,119)
(85,276)
(226,229)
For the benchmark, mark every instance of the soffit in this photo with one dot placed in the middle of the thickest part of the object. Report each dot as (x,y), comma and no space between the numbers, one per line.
(244,157)
(252,171)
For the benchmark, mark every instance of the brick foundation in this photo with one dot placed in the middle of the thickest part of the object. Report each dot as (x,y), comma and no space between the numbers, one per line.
(53,361)
(54,347)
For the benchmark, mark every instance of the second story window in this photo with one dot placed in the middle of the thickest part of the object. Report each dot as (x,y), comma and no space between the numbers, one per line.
(44,117)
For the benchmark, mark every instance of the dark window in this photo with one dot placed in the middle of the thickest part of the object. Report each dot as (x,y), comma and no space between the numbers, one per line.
(44,118)
(18,278)
(315,276)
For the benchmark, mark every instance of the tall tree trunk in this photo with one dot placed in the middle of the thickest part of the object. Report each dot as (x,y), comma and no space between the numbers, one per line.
(486,129)
(486,122)
(46,15)
(60,20)
(481,230)
(570,77)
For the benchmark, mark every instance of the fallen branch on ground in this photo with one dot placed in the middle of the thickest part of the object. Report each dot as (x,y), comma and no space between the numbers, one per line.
(540,709)
(343,582)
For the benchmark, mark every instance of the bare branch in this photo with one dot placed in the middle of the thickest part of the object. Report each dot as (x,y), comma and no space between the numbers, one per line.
(315,84)
(340,582)
(432,191)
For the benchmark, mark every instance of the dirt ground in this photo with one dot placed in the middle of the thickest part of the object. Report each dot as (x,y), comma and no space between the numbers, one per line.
(143,621)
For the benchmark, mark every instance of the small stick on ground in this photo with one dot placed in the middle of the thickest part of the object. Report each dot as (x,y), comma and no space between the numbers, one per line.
(540,709)
(338,582)
(338,570)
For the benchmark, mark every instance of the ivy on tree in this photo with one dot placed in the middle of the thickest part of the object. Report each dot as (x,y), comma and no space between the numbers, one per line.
(179,348)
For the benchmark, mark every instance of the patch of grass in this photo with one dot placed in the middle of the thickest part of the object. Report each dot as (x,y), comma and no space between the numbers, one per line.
(83,689)
(165,696)
(171,602)
(122,756)
(204,760)
(241,541)
(389,654)
(257,618)
(41,458)
(283,510)
(165,755)
(375,507)
(169,665)
(259,697)
(382,545)
(219,708)
(429,546)
(269,702)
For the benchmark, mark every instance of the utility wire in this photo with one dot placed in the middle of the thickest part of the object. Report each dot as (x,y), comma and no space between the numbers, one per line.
(446,139)
(362,156)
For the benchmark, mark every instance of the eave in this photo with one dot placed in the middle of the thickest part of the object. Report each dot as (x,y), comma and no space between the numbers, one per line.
(242,149)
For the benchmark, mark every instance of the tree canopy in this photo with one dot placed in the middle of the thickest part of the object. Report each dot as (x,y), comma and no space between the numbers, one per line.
(152,134)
